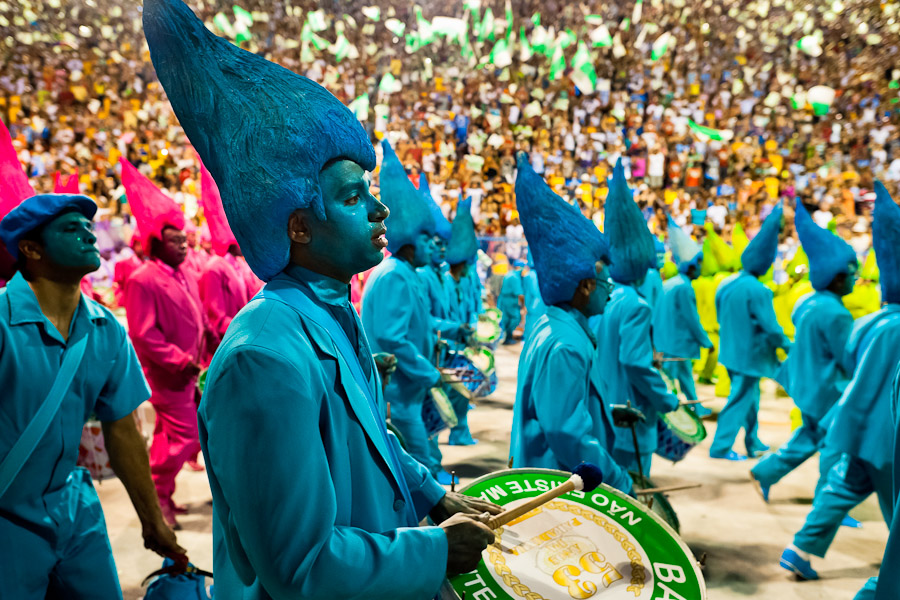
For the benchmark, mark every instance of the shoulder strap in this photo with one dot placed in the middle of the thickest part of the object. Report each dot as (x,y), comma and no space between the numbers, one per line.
(28,441)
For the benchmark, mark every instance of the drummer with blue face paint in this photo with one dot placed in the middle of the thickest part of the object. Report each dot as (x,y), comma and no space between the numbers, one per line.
(860,424)
(652,288)
(677,331)
(511,301)
(749,338)
(623,332)
(560,417)
(814,373)
(534,304)
(312,497)
(63,358)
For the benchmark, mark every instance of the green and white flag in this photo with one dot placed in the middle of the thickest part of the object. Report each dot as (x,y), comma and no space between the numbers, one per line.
(242,16)
(540,40)
(395,26)
(373,13)
(594,20)
(583,74)
(486,28)
(509,20)
(389,84)
(426,34)
(316,20)
(242,22)
(360,107)
(525,51)
(473,5)
(306,55)
(319,42)
(637,12)
(600,37)
(708,133)
(450,27)
(820,97)
(661,45)
(341,48)
(501,56)
(557,63)
(223,24)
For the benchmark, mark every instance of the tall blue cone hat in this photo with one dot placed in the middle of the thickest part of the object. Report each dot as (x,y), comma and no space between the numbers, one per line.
(631,243)
(263,131)
(441,224)
(410,214)
(829,255)
(759,255)
(886,243)
(564,245)
(463,246)
(685,251)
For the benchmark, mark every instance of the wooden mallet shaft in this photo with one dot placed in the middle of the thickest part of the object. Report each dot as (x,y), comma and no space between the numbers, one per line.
(671,488)
(514,513)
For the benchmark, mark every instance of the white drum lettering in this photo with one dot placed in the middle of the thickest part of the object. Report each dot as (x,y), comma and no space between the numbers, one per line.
(669,594)
(669,573)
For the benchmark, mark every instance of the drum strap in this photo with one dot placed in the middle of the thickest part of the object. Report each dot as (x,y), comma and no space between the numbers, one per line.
(348,364)
(28,441)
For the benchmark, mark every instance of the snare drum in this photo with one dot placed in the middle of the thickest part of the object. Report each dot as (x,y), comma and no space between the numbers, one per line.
(678,432)
(494,314)
(437,412)
(475,369)
(657,502)
(580,545)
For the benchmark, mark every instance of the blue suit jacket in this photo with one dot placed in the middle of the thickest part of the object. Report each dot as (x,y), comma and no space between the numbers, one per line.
(860,423)
(677,331)
(508,301)
(652,289)
(432,279)
(396,315)
(813,373)
(303,495)
(460,299)
(626,365)
(889,578)
(748,329)
(560,418)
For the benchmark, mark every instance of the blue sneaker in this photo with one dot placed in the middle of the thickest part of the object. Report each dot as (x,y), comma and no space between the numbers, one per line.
(730,455)
(800,567)
(470,441)
(849,521)
(757,449)
(445,478)
(762,490)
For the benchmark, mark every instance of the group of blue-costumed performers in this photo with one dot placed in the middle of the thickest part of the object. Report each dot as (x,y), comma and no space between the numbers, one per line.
(313,495)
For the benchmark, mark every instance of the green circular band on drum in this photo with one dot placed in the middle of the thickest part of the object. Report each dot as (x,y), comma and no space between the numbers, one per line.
(495,314)
(482,358)
(201,380)
(487,331)
(685,425)
(600,544)
(396,432)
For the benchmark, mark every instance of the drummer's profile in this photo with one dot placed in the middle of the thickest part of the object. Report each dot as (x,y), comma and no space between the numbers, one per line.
(312,497)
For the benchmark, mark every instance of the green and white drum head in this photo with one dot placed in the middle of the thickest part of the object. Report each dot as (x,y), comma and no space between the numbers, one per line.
(201,380)
(482,359)
(685,425)
(487,331)
(599,544)
(495,314)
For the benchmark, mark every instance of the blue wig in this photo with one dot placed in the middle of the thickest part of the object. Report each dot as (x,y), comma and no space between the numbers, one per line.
(564,245)
(829,255)
(441,224)
(263,131)
(759,255)
(631,243)
(463,246)
(685,251)
(886,243)
(410,214)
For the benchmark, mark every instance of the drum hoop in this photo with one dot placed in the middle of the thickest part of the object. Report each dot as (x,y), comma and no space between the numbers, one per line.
(613,491)
(680,433)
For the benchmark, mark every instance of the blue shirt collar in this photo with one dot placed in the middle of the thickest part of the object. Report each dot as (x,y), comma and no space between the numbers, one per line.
(579,318)
(328,290)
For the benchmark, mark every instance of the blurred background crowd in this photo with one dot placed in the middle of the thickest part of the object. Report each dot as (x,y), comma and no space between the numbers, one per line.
(718,110)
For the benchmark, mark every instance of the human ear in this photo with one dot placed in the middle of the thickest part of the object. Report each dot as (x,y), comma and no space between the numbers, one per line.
(298,228)
(31,249)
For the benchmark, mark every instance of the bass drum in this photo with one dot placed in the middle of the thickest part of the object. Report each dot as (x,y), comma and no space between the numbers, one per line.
(437,412)
(600,544)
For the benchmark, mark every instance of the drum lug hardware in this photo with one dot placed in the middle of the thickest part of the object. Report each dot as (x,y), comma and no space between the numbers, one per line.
(702,560)
(452,481)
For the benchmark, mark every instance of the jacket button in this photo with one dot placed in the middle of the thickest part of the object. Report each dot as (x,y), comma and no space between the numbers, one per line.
(399,505)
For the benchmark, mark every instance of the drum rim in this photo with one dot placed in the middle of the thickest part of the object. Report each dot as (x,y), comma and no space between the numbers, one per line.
(668,529)
(675,430)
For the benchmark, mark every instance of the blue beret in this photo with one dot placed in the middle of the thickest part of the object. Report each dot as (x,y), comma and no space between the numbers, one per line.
(39,210)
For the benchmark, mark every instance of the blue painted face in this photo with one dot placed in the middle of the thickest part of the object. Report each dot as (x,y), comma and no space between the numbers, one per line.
(852,276)
(352,237)
(440,251)
(424,250)
(600,296)
(660,260)
(70,242)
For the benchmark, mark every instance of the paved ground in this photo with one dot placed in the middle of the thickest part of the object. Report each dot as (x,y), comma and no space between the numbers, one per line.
(741,536)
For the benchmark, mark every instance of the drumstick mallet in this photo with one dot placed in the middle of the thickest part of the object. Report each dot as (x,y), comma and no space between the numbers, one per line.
(585,478)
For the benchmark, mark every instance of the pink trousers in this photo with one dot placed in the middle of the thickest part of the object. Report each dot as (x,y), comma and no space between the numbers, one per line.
(175,437)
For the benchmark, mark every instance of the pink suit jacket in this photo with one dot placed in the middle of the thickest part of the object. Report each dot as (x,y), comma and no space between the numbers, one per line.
(166,324)
(223,292)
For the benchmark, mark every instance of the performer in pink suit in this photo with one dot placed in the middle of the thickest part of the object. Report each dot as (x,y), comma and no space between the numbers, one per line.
(168,329)
(223,289)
